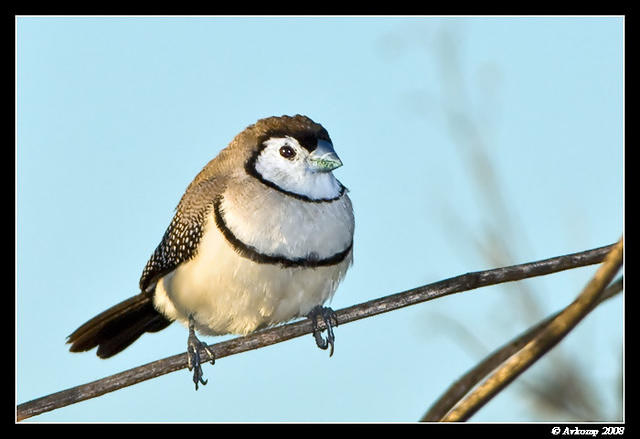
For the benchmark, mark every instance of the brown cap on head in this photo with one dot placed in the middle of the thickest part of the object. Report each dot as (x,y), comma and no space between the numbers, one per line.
(300,127)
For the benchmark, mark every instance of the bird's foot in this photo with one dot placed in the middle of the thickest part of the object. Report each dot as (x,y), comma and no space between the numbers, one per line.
(193,354)
(330,321)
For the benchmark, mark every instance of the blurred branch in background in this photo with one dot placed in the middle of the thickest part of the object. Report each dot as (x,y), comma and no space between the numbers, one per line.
(561,388)
(469,380)
(542,340)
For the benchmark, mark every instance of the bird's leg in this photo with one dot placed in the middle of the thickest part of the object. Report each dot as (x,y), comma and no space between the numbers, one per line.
(330,320)
(193,354)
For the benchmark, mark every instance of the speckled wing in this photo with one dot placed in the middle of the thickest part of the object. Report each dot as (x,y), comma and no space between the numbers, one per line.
(119,326)
(180,241)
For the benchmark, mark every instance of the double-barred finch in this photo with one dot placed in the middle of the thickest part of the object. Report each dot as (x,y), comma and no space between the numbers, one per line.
(262,235)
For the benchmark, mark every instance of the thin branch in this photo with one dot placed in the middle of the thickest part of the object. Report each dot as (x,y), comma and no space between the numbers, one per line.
(457,390)
(546,339)
(282,333)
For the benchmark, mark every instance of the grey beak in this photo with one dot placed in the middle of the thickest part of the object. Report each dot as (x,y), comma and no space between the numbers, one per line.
(324,157)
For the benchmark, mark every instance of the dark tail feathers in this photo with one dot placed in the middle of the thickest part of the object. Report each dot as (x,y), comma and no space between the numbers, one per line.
(118,327)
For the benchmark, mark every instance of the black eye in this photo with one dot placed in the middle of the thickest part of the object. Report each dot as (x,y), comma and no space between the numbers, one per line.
(287,152)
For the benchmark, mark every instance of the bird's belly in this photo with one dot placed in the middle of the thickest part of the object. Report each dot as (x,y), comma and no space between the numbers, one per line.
(228,293)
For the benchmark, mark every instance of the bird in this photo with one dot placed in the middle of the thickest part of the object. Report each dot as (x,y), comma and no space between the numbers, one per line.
(261,236)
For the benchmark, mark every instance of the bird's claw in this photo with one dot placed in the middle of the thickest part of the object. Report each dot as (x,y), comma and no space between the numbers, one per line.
(194,361)
(330,320)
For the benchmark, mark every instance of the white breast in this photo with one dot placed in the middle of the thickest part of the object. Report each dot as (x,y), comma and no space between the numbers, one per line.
(228,293)
(280,225)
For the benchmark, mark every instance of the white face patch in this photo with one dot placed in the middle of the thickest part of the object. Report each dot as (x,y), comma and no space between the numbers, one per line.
(283,162)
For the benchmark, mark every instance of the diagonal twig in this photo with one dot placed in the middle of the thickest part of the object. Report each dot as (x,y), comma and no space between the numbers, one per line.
(282,333)
(458,389)
(550,335)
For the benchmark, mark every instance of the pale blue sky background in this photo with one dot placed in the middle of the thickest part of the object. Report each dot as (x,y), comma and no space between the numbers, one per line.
(116,115)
